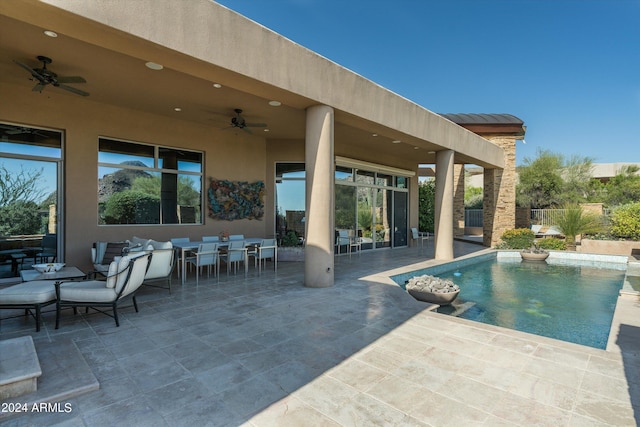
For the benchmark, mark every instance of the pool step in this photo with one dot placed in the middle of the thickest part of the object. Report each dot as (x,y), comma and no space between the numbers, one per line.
(19,367)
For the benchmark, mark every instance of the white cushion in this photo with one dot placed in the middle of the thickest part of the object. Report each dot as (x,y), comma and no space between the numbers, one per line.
(111,274)
(35,292)
(161,245)
(86,291)
(161,263)
(114,279)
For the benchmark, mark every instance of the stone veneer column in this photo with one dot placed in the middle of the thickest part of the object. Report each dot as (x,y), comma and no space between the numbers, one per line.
(444,205)
(499,203)
(458,200)
(320,198)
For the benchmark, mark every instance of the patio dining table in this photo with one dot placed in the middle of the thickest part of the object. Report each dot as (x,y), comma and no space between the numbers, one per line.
(190,246)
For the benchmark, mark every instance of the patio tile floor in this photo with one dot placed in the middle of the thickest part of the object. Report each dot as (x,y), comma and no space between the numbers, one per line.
(266,351)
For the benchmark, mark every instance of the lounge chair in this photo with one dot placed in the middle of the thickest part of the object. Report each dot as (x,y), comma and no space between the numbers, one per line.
(124,277)
(553,231)
(537,230)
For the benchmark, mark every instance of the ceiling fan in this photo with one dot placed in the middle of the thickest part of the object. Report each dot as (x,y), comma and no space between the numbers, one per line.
(45,77)
(239,122)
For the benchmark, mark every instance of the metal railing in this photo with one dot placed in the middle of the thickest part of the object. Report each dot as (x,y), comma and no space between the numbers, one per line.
(546,217)
(473,217)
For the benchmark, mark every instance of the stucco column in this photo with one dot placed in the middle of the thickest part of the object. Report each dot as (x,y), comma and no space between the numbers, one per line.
(458,200)
(444,205)
(320,198)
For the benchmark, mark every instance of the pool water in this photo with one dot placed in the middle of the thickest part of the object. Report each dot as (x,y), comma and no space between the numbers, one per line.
(573,303)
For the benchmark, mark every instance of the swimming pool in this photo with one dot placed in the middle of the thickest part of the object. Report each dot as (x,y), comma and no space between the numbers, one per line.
(570,300)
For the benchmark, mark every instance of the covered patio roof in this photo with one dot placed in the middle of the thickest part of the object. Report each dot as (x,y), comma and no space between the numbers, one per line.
(202,43)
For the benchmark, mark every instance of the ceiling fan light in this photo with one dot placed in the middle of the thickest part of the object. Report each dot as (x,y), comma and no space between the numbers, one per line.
(154,66)
(178,109)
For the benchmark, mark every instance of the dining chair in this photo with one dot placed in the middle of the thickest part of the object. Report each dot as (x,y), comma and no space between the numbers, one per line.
(418,235)
(268,249)
(236,253)
(207,255)
(179,240)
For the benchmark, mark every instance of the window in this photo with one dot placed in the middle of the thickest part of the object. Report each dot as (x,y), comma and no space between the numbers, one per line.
(145,184)
(30,174)
(290,201)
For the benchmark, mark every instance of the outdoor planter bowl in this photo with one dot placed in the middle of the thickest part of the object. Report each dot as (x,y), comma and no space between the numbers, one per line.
(533,256)
(51,267)
(432,289)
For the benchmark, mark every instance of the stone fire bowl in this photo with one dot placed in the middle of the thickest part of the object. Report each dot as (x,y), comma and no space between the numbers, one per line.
(434,297)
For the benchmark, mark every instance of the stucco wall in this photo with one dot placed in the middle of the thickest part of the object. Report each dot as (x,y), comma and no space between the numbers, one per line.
(229,154)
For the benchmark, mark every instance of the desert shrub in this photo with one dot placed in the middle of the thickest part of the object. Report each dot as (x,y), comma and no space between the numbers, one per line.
(625,221)
(290,239)
(551,244)
(132,207)
(574,221)
(519,238)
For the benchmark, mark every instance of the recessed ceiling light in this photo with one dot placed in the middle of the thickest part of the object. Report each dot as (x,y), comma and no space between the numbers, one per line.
(431,152)
(154,66)
(396,141)
(266,130)
(217,85)
(374,134)
(416,148)
(177,109)
(275,103)
(50,33)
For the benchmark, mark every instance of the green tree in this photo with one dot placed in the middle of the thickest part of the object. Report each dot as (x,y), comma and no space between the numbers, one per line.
(473,197)
(576,175)
(624,187)
(20,195)
(151,185)
(541,181)
(426,205)
(132,207)
(20,217)
(20,186)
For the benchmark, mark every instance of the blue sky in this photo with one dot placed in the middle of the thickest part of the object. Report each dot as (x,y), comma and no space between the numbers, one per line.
(569,68)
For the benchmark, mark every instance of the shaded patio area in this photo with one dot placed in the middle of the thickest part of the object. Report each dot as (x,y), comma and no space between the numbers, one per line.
(265,351)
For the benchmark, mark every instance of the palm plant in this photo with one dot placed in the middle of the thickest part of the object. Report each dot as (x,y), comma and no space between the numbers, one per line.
(574,221)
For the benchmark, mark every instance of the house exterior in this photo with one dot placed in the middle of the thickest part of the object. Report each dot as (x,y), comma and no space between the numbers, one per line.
(164,81)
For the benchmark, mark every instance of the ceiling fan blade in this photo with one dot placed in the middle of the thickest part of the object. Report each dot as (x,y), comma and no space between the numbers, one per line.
(38,87)
(71,79)
(256,125)
(33,72)
(74,90)
(246,129)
